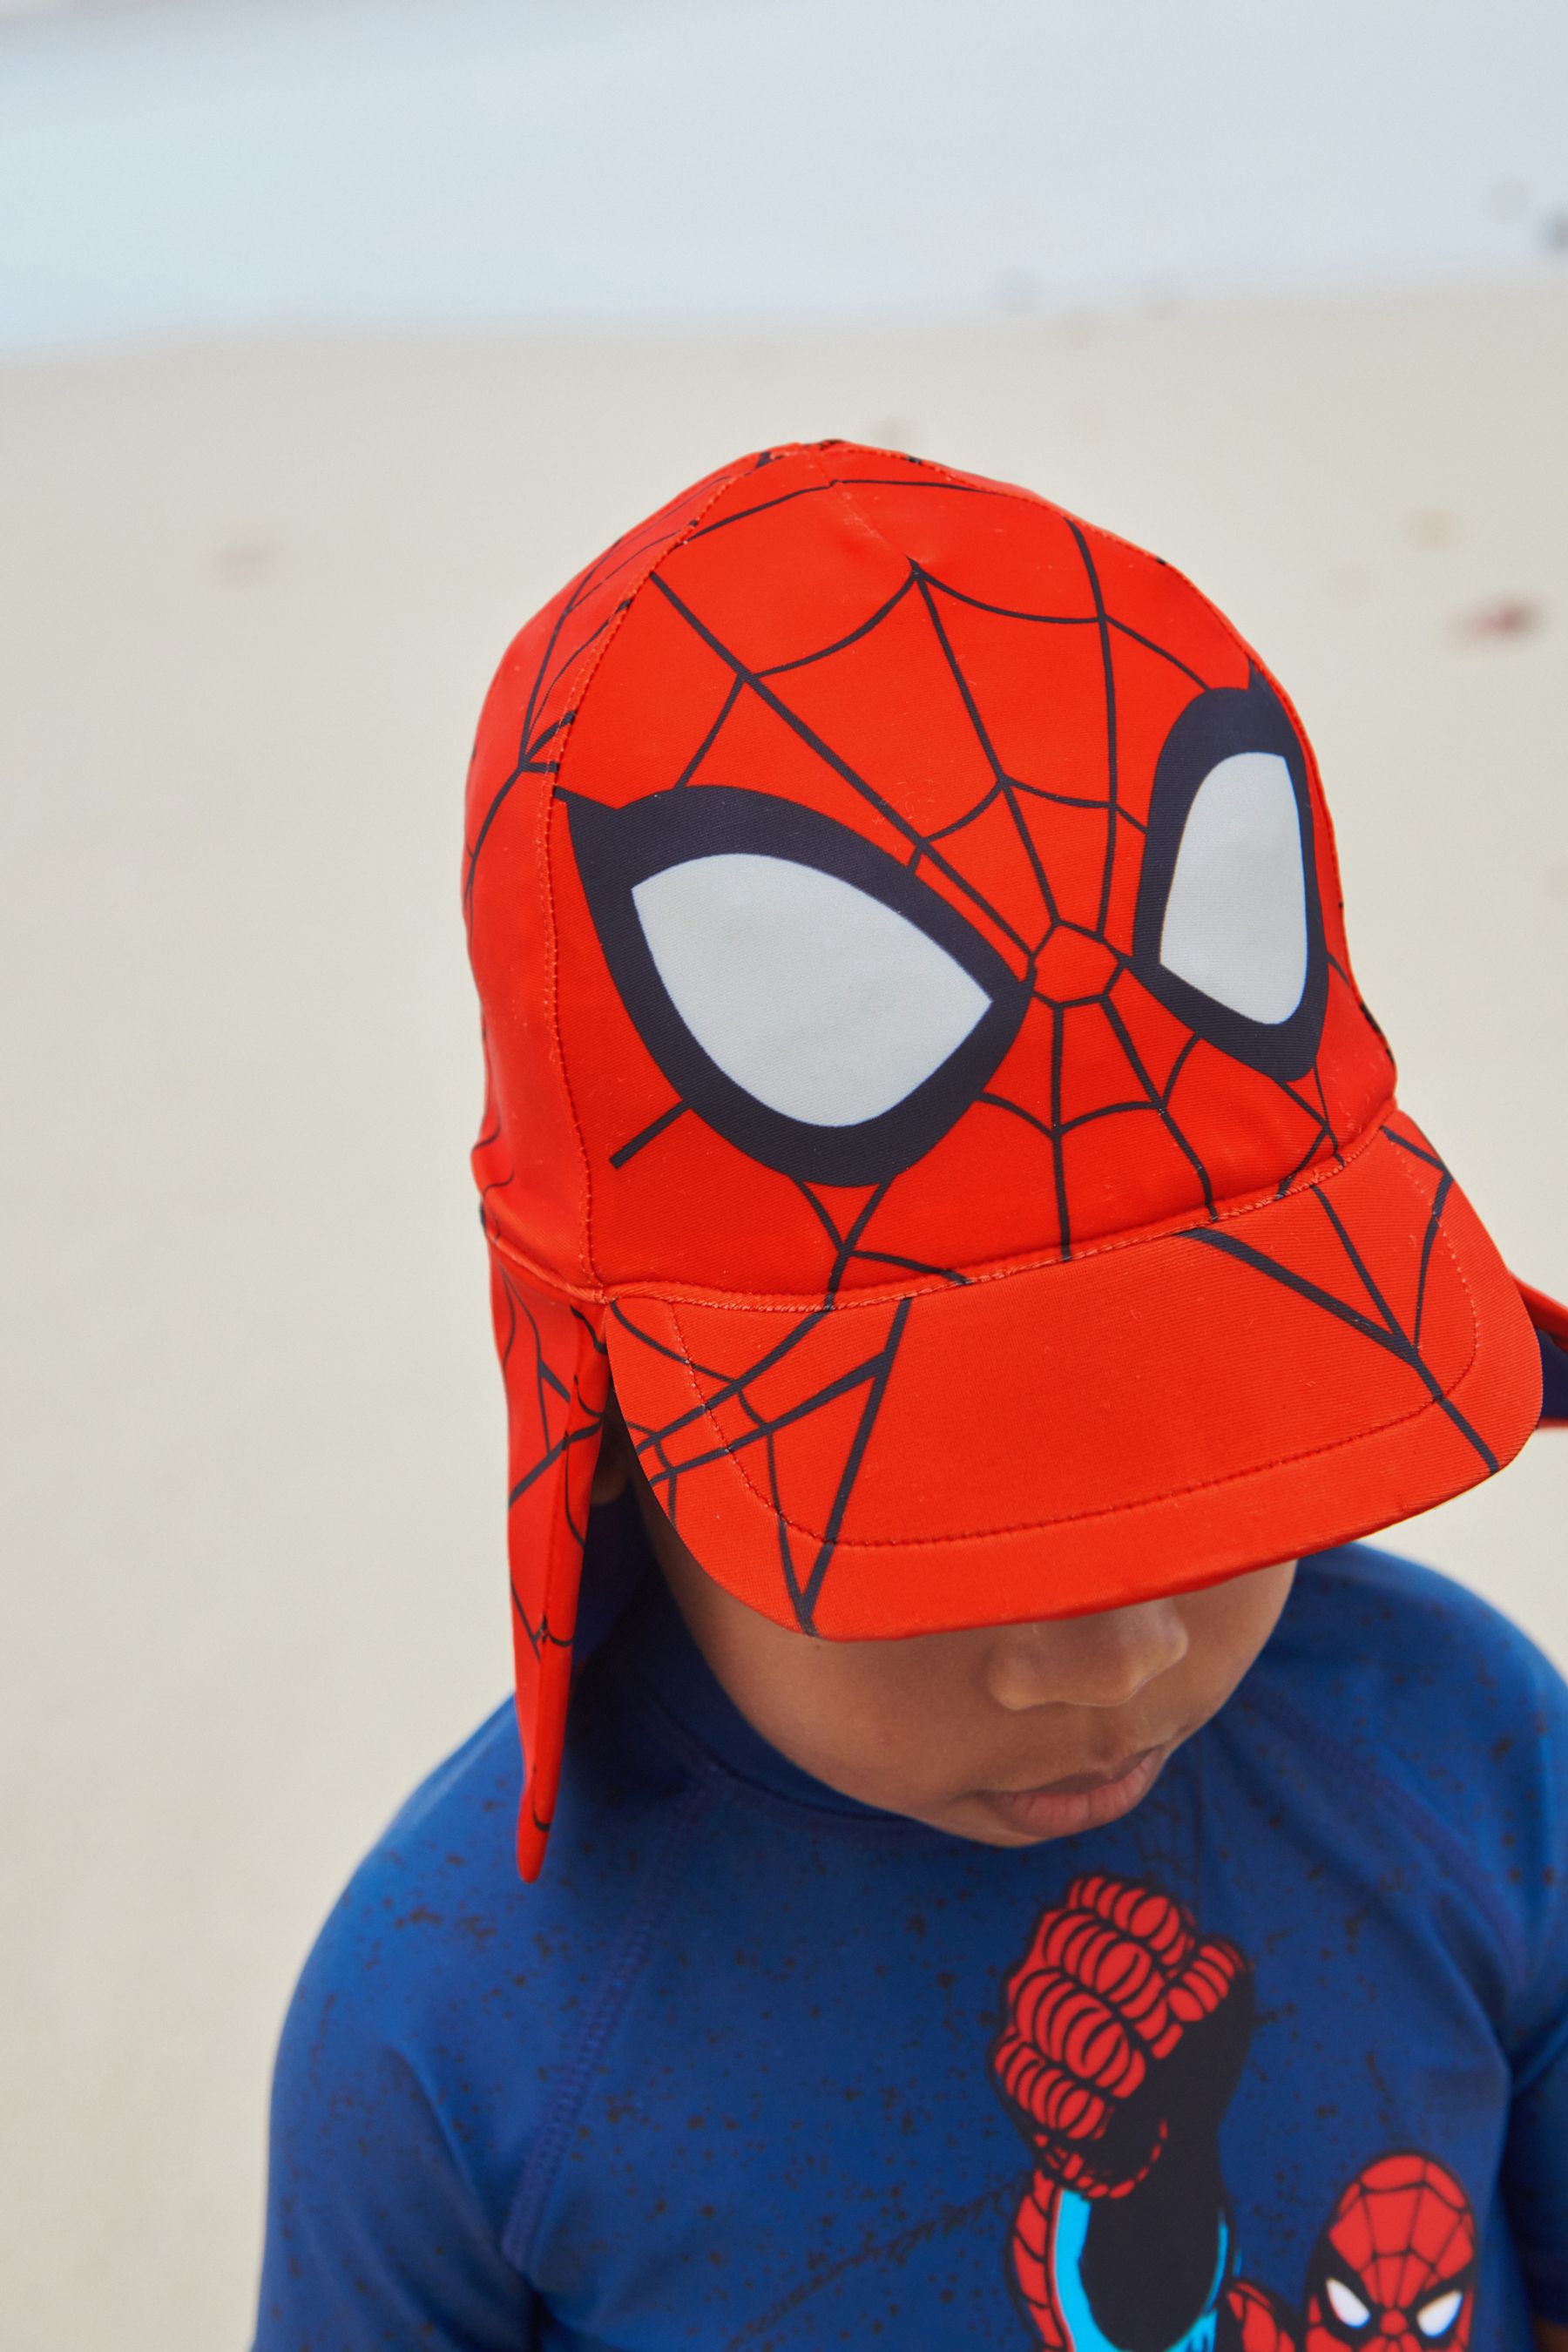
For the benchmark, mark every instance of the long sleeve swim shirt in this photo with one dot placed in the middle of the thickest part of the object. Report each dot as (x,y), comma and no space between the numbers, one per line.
(1278,2063)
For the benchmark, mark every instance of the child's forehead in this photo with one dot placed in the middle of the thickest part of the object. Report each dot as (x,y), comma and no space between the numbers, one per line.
(962,676)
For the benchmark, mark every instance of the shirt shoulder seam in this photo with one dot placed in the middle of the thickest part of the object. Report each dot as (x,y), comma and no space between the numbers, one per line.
(1448,1847)
(543,2160)
(1553,2050)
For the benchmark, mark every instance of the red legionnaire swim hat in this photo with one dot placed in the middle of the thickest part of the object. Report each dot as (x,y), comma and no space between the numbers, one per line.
(926,1074)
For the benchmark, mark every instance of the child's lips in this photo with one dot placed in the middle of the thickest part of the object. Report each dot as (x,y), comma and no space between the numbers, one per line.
(1079,1801)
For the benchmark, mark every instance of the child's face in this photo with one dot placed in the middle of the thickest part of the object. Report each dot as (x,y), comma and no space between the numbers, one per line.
(1007,1734)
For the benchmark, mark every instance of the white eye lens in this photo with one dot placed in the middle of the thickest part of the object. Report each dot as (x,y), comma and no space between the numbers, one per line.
(813,996)
(1236,919)
(1440,2313)
(1347,2306)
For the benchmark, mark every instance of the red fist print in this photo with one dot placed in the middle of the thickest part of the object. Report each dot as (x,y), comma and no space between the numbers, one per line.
(1122,2022)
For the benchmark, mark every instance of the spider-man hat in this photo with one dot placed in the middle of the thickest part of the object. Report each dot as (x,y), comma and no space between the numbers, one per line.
(926,1074)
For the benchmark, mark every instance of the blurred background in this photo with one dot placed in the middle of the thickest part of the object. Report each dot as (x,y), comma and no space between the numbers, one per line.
(333,335)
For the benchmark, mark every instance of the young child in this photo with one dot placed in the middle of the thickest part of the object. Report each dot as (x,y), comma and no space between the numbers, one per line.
(1014,1876)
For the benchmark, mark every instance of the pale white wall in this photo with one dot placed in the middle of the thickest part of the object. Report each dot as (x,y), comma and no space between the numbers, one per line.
(178,165)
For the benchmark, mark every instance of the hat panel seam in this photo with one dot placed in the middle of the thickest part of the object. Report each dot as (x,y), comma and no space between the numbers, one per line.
(1248,1204)
(668,1294)
(1022,495)
(581,680)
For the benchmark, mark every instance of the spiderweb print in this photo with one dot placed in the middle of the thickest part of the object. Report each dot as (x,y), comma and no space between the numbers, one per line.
(553,1354)
(1367,1310)
(563,1416)
(1080,945)
(572,627)
(1133,1118)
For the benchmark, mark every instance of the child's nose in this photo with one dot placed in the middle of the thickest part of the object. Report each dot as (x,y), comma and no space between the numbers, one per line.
(1100,1661)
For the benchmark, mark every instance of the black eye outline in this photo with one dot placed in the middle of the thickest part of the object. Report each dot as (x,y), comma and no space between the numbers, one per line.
(1349,2331)
(617,848)
(1216,726)
(1460,2283)
(1336,2317)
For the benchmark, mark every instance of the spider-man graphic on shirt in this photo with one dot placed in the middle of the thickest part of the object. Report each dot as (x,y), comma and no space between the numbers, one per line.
(1125,2033)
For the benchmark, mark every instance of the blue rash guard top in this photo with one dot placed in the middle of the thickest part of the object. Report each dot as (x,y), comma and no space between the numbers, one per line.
(1279,2059)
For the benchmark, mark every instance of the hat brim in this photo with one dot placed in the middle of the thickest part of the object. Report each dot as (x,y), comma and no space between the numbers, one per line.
(1148,1416)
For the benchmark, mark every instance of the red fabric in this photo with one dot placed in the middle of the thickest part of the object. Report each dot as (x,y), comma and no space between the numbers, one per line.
(1148,1309)
(1074,1435)
(1402,2239)
(1113,1981)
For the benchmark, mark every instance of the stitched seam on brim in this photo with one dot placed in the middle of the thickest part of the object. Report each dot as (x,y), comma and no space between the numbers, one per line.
(1115,1510)
(1125,1508)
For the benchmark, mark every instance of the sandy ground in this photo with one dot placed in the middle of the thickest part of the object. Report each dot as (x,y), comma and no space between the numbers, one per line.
(252,1579)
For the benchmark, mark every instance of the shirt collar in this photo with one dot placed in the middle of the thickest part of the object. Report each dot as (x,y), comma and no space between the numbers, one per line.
(624,1594)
